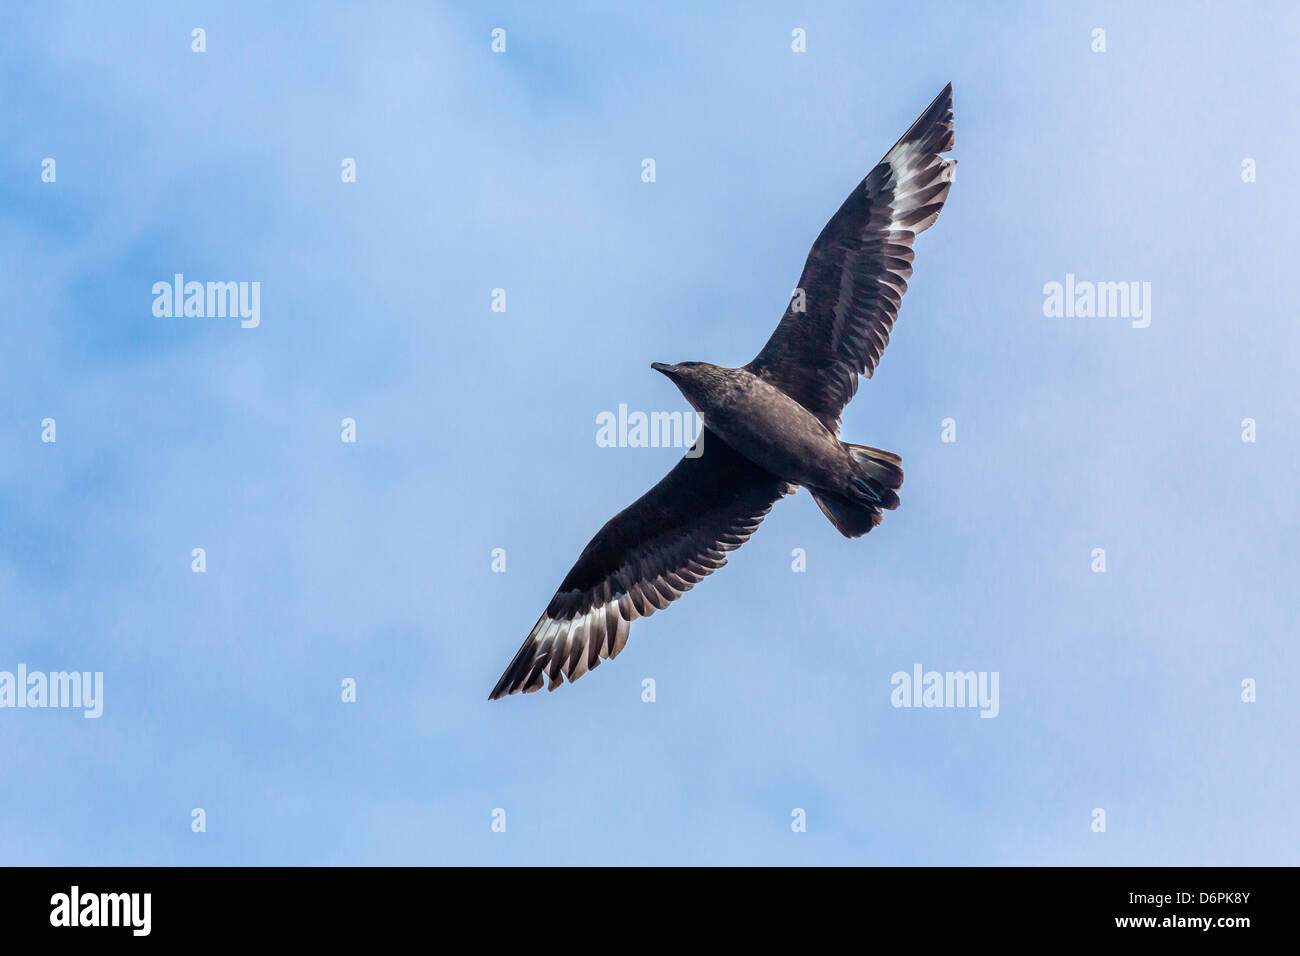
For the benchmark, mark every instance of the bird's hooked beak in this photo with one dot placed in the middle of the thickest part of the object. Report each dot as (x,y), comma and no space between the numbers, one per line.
(666,369)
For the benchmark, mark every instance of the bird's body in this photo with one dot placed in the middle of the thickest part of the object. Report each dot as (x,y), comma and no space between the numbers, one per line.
(770,426)
(764,424)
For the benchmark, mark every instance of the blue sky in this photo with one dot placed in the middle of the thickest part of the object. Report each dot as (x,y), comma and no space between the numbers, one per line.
(476,430)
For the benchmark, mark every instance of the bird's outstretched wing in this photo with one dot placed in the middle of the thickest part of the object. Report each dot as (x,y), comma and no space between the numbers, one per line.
(646,556)
(857,272)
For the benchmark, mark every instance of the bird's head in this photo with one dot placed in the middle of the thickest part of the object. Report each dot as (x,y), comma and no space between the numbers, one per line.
(692,379)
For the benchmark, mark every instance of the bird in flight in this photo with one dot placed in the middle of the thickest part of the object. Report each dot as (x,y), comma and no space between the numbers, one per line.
(770,426)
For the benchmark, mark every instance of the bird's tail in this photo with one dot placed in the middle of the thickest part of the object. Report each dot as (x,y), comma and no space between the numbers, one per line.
(877,476)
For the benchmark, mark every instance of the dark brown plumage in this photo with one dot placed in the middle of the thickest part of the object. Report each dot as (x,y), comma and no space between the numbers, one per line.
(857,271)
(771,426)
